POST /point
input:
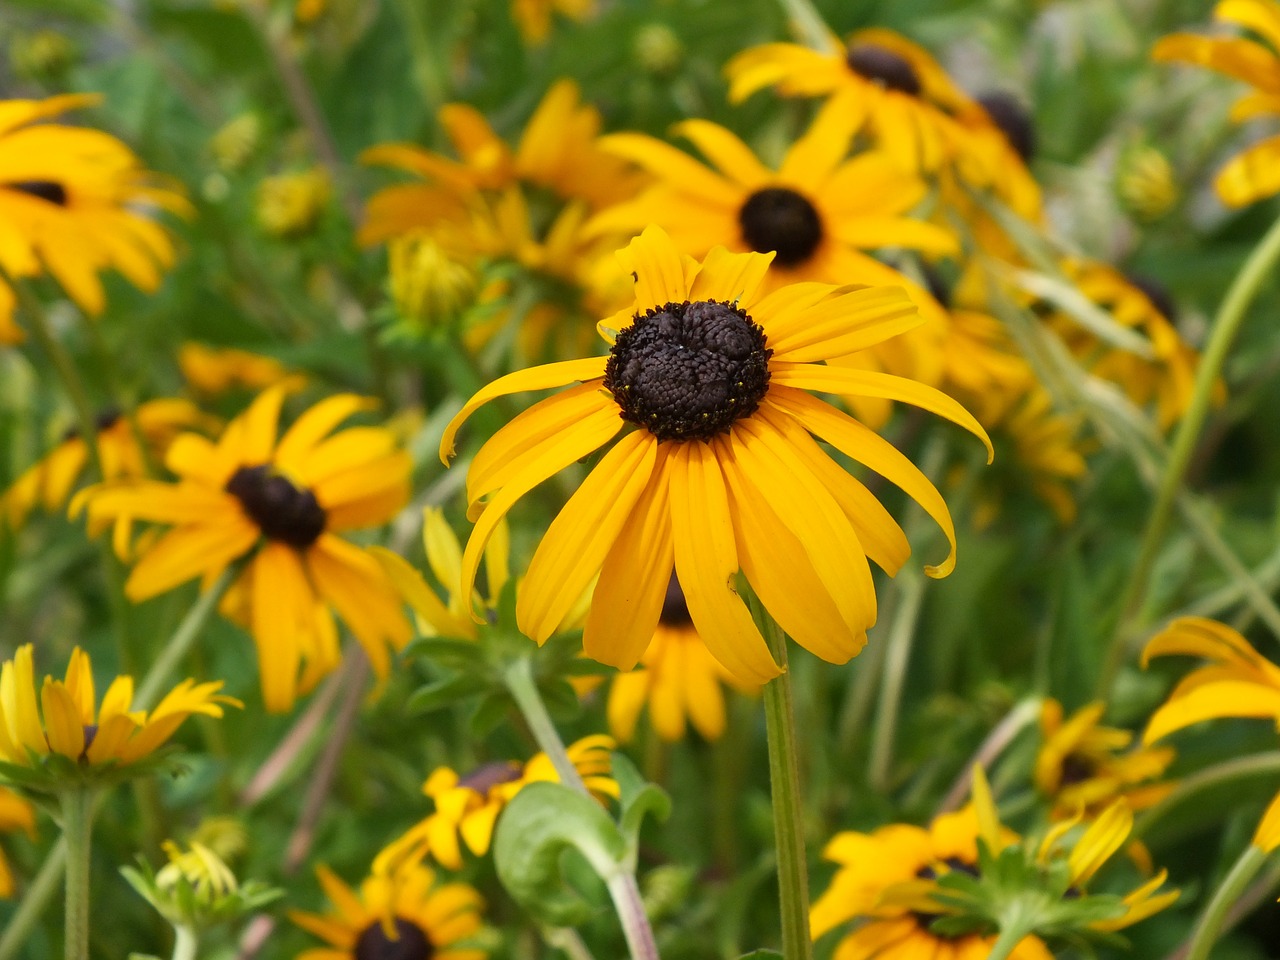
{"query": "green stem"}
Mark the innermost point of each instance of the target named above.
(39, 893)
(808, 25)
(77, 829)
(185, 943)
(622, 884)
(1244, 289)
(897, 656)
(1210, 925)
(1007, 942)
(1240, 768)
(784, 778)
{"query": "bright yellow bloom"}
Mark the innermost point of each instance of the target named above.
(1080, 765)
(214, 370)
(112, 735)
(48, 483)
(284, 503)
(291, 204)
(533, 17)
(467, 808)
(1254, 173)
(16, 813)
(720, 473)
(878, 868)
(407, 914)
(893, 88)
(677, 677)
(69, 207)
(430, 288)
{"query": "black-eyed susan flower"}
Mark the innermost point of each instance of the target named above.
(16, 813)
(677, 677)
(467, 807)
(897, 91)
(65, 721)
(1255, 172)
(285, 504)
(408, 915)
(716, 470)
(1085, 766)
(70, 206)
(213, 370)
(48, 483)
(876, 869)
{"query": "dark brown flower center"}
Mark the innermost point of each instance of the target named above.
(105, 420)
(1157, 293)
(49, 190)
(888, 69)
(675, 611)
(924, 918)
(687, 371)
(411, 943)
(489, 775)
(281, 510)
(1077, 768)
(779, 220)
(1013, 120)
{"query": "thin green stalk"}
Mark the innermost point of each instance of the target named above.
(897, 656)
(1007, 942)
(186, 944)
(39, 893)
(1210, 925)
(1229, 771)
(808, 25)
(77, 829)
(623, 889)
(1226, 325)
(784, 779)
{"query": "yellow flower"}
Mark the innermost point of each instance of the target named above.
(883, 881)
(677, 676)
(285, 504)
(1146, 183)
(719, 472)
(1047, 449)
(429, 287)
(556, 152)
(48, 483)
(214, 370)
(468, 807)
(533, 17)
(1254, 173)
(406, 915)
(1080, 765)
(894, 88)
(290, 204)
(16, 813)
(69, 207)
(95, 738)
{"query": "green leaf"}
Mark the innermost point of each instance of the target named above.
(442, 693)
(461, 653)
(638, 797)
(762, 955)
(536, 828)
(490, 711)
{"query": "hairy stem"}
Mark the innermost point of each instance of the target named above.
(77, 830)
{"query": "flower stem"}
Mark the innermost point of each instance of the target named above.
(897, 657)
(1210, 925)
(185, 943)
(77, 829)
(1007, 942)
(807, 24)
(1238, 768)
(37, 897)
(622, 885)
(1231, 314)
(784, 778)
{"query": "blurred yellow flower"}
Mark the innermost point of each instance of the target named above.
(283, 503)
(16, 813)
(429, 287)
(533, 17)
(70, 206)
(214, 370)
(290, 204)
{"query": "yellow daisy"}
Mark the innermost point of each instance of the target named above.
(718, 472)
(408, 916)
(1081, 766)
(16, 813)
(69, 206)
(900, 856)
(467, 807)
(1255, 172)
(93, 737)
(285, 504)
(215, 370)
(677, 677)
(895, 89)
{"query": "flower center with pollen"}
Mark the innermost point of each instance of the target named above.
(49, 190)
(281, 510)
(781, 221)
(883, 67)
(411, 943)
(687, 371)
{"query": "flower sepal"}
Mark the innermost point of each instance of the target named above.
(196, 889)
(51, 774)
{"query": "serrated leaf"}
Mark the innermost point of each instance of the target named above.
(535, 829)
